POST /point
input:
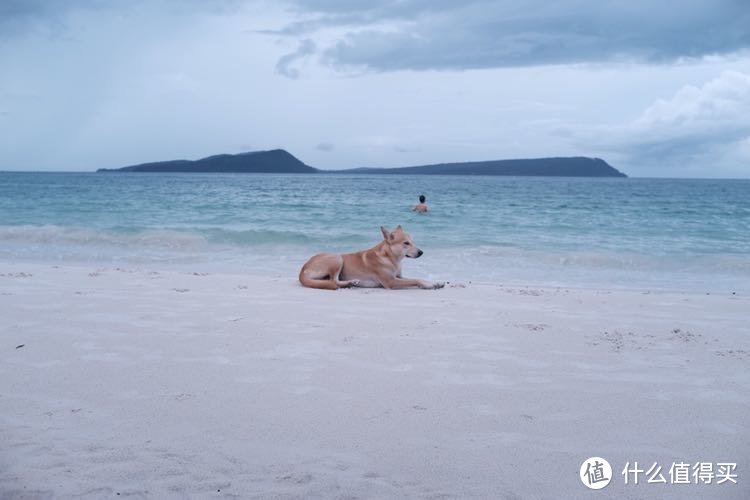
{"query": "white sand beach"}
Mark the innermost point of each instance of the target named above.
(148, 383)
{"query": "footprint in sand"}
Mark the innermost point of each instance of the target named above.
(734, 353)
(295, 478)
(685, 336)
(532, 327)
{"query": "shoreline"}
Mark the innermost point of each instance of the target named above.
(155, 383)
(285, 262)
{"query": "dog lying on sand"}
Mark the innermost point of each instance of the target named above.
(379, 266)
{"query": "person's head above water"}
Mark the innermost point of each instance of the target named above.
(421, 206)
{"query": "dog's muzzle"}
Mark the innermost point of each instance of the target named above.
(419, 254)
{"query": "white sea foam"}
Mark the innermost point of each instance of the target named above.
(72, 235)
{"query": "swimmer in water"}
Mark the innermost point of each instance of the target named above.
(420, 207)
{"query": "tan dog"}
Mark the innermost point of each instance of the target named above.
(380, 266)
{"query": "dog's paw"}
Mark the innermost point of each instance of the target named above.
(354, 282)
(437, 285)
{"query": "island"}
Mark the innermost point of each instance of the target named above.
(274, 161)
(560, 167)
(282, 162)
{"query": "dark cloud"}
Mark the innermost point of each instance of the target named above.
(21, 16)
(447, 35)
(387, 35)
(326, 147)
(284, 66)
(28, 9)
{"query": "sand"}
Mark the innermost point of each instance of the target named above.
(163, 383)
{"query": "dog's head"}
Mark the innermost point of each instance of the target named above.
(401, 243)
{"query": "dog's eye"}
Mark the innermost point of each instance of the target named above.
(407, 243)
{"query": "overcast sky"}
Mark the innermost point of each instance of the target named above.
(655, 88)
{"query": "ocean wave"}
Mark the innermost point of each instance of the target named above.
(72, 235)
(589, 268)
(281, 252)
(190, 238)
(601, 259)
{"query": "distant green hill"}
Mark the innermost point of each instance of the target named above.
(274, 161)
(280, 161)
(562, 167)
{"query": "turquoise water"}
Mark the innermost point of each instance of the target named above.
(636, 233)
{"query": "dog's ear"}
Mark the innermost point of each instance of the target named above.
(387, 235)
(398, 228)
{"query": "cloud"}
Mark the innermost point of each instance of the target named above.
(19, 16)
(722, 102)
(284, 66)
(326, 147)
(50, 16)
(697, 126)
(390, 35)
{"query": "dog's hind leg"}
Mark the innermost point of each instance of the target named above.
(343, 283)
(320, 284)
(322, 272)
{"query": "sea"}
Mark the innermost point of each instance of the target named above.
(635, 233)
